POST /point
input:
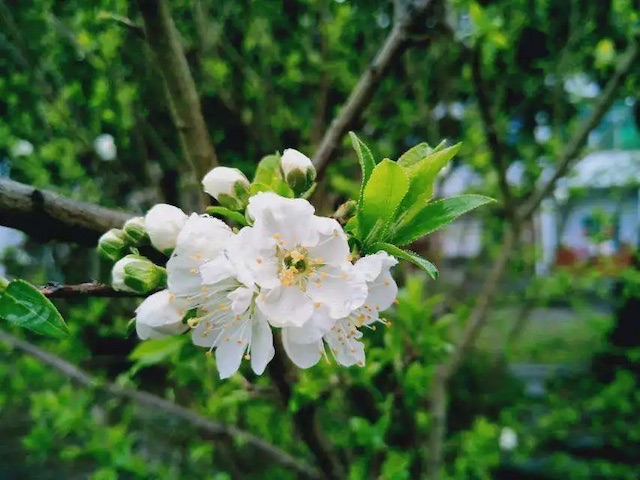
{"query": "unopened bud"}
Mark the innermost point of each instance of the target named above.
(134, 273)
(163, 224)
(298, 170)
(113, 245)
(228, 186)
(135, 232)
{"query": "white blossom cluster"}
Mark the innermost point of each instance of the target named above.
(290, 269)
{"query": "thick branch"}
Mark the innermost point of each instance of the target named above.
(47, 216)
(570, 154)
(368, 83)
(146, 400)
(491, 132)
(164, 40)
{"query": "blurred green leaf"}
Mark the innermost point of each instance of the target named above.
(157, 350)
(23, 304)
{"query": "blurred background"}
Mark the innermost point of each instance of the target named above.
(545, 388)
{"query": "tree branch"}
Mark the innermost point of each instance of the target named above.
(368, 83)
(491, 132)
(444, 371)
(478, 317)
(570, 154)
(146, 400)
(164, 40)
(47, 216)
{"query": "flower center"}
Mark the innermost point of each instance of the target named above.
(295, 266)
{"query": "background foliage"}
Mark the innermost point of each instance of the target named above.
(272, 75)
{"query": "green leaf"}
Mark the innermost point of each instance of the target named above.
(414, 155)
(422, 178)
(409, 256)
(383, 194)
(269, 177)
(230, 214)
(23, 304)
(434, 216)
(367, 162)
(157, 350)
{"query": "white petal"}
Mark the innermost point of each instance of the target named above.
(241, 298)
(285, 306)
(312, 331)
(382, 292)
(145, 332)
(262, 350)
(341, 291)
(287, 220)
(303, 355)
(231, 345)
(254, 258)
(332, 245)
(371, 266)
(217, 270)
(202, 239)
(228, 357)
(160, 315)
(343, 342)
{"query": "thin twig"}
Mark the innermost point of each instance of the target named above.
(147, 400)
(368, 83)
(496, 147)
(129, 24)
(88, 289)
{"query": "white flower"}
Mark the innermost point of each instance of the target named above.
(201, 239)
(305, 345)
(298, 170)
(228, 186)
(508, 439)
(105, 147)
(201, 275)
(163, 223)
(160, 315)
(228, 320)
(299, 261)
(22, 148)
